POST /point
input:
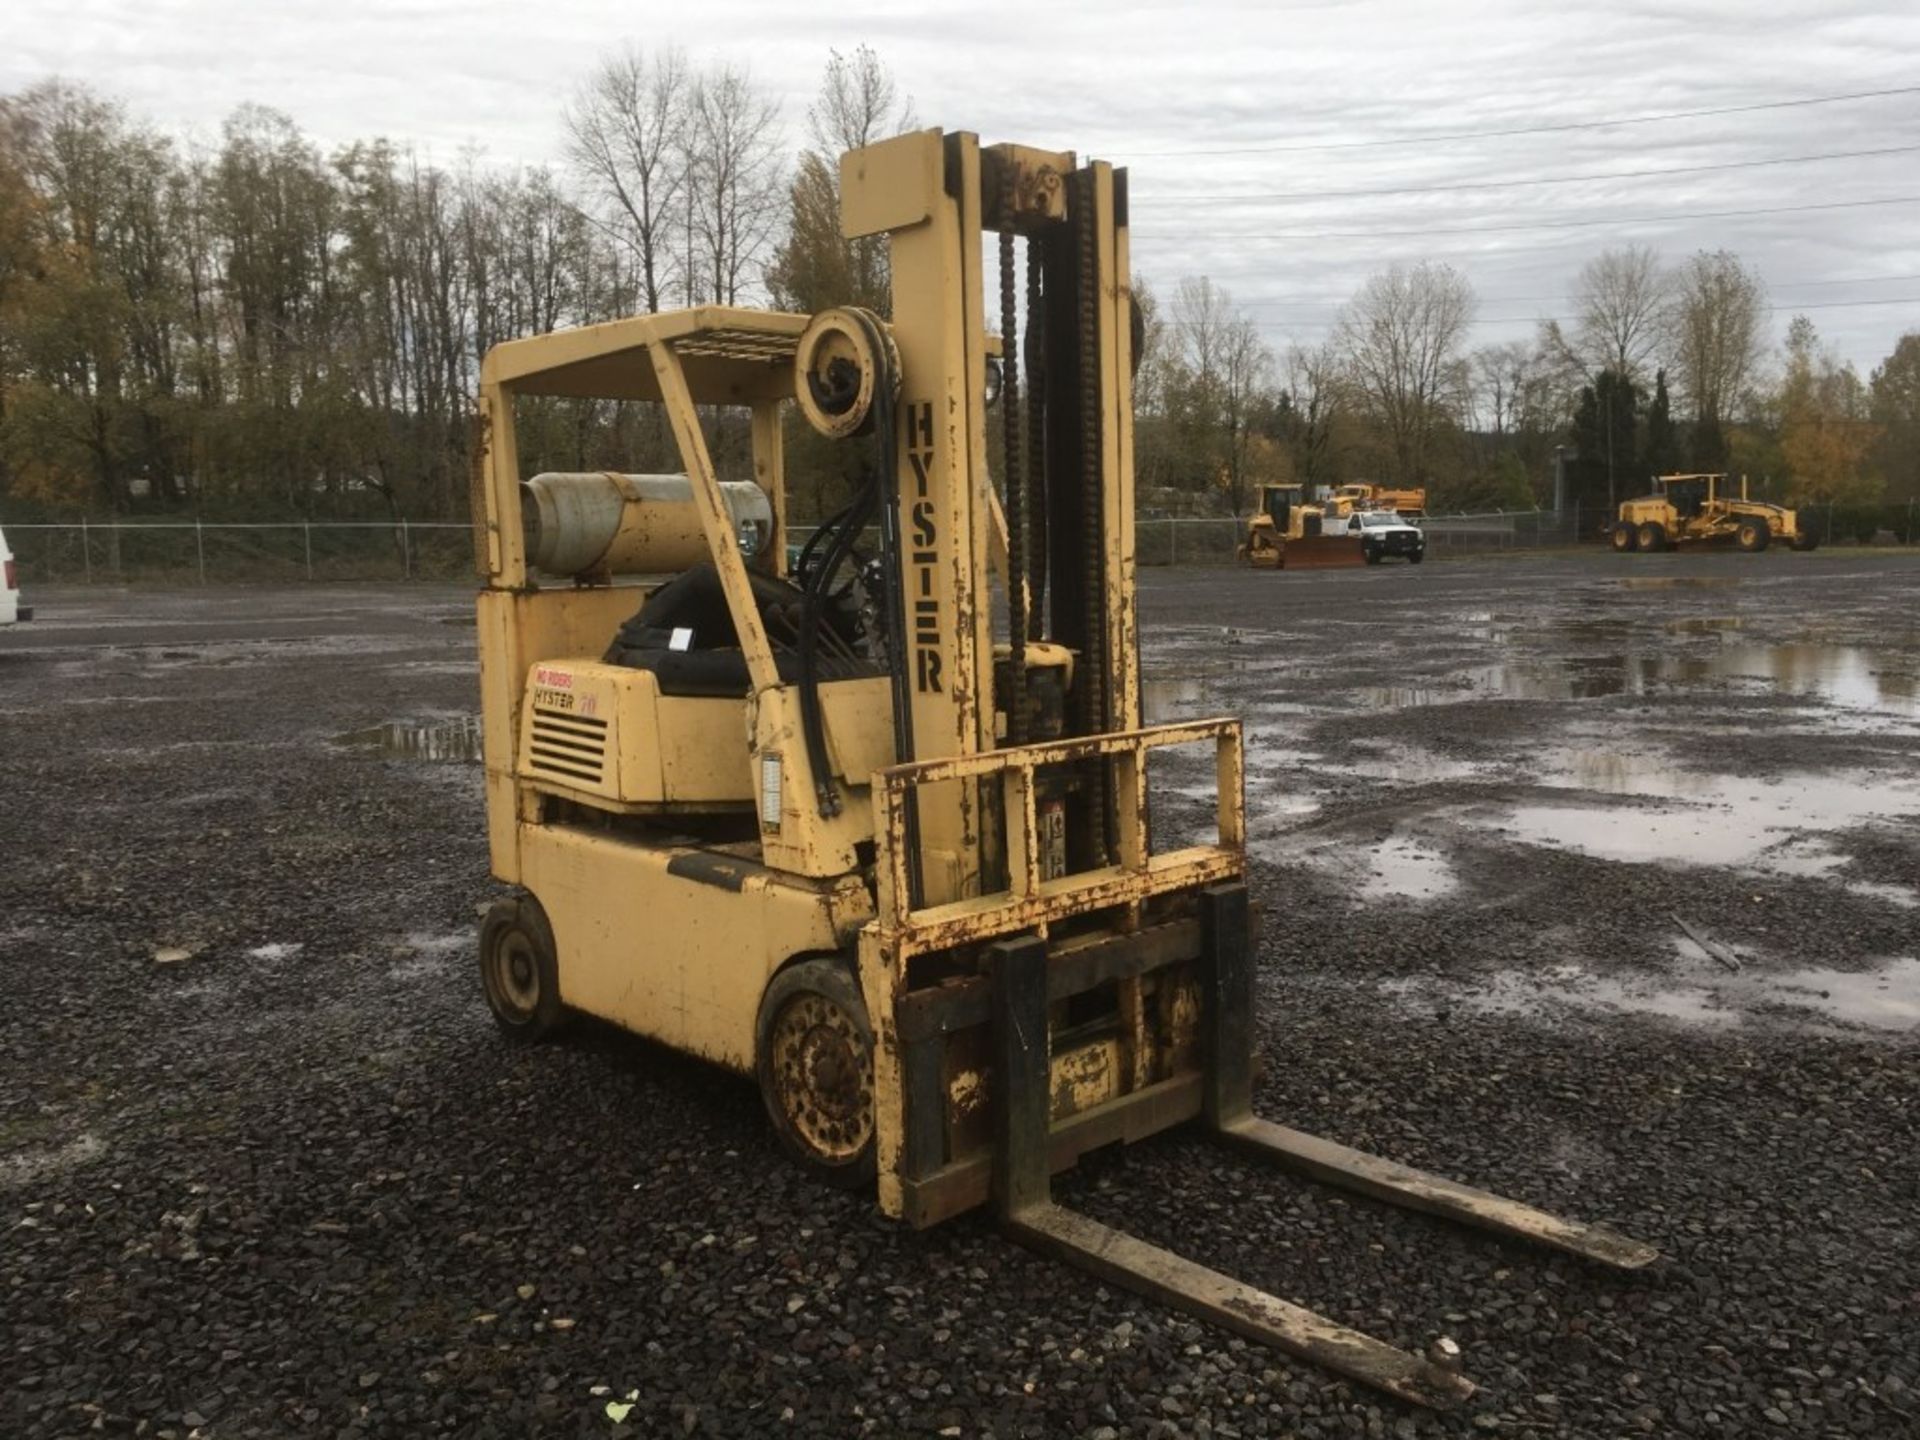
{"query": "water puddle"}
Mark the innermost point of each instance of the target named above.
(1401, 868)
(1718, 820)
(1179, 695)
(424, 955)
(1846, 676)
(1538, 994)
(1887, 998)
(1705, 625)
(1679, 582)
(1851, 677)
(448, 740)
(41, 1163)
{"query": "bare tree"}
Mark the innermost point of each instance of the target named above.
(1314, 403)
(626, 134)
(1716, 326)
(1202, 315)
(1498, 372)
(815, 266)
(1621, 300)
(859, 103)
(1226, 368)
(733, 188)
(1400, 339)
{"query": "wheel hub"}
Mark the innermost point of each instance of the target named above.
(823, 1073)
(518, 974)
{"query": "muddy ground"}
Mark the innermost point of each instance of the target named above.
(265, 1168)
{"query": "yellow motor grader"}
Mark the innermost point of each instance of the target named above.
(1687, 510)
(855, 829)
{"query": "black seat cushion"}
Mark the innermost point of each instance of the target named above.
(711, 662)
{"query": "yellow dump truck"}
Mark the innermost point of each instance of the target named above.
(1411, 503)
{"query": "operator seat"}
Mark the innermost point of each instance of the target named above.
(707, 660)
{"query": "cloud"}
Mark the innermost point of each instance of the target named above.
(1133, 82)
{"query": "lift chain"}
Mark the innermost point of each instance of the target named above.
(1035, 520)
(1090, 679)
(1015, 486)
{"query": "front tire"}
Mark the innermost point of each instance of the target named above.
(1652, 536)
(519, 970)
(1751, 536)
(814, 1060)
(1622, 538)
(1370, 555)
(1414, 557)
(1805, 541)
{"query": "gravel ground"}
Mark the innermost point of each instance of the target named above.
(266, 1170)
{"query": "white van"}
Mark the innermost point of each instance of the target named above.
(10, 607)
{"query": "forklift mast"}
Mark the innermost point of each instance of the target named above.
(1062, 521)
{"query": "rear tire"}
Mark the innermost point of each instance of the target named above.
(1804, 542)
(1751, 536)
(1652, 536)
(1414, 557)
(1622, 537)
(519, 970)
(813, 1055)
(1371, 555)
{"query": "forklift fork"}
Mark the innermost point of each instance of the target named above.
(1022, 1189)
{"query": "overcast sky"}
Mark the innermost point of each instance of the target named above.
(1147, 85)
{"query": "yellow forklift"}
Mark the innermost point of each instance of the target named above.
(1688, 510)
(858, 831)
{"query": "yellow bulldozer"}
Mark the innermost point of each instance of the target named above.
(1689, 510)
(873, 831)
(1291, 531)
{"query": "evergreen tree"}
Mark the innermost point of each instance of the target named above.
(1662, 453)
(1708, 447)
(1603, 435)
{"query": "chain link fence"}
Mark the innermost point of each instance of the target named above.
(225, 552)
(210, 552)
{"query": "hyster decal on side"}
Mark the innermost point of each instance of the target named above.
(926, 536)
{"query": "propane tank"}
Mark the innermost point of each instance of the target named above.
(604, 523)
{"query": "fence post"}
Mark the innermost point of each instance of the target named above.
(406, 551)
(1910, 522)
(200, 548)
(86, 553)
(1173, 542)
(306, 531)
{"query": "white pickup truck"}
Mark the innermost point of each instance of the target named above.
(10, 607)
(1382, 533)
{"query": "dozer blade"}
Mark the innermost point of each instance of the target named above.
(1335, 1164)
(1322, 552)
(1134, 1264)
